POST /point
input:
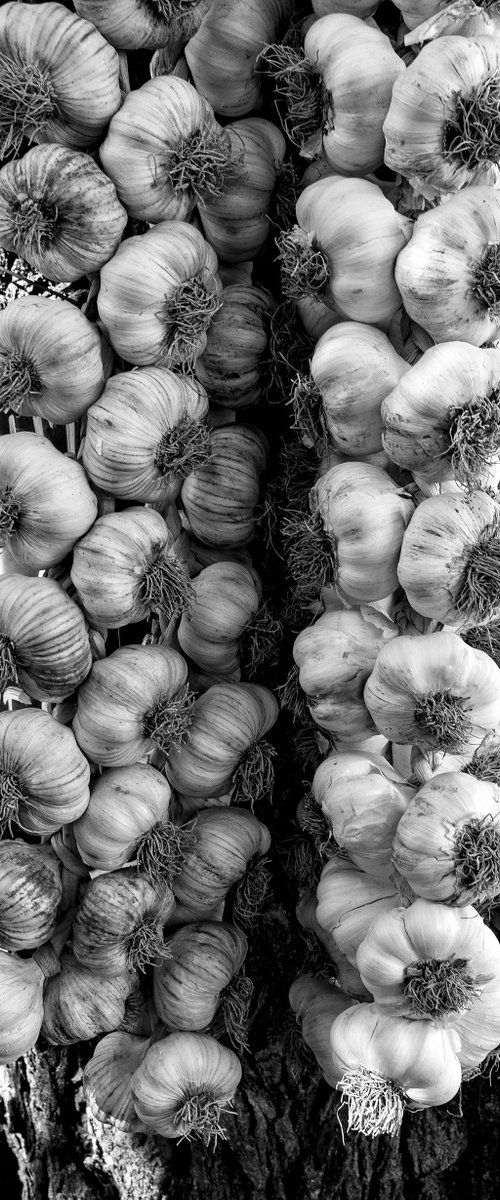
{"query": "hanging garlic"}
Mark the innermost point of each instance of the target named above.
(158, 295)
(441, 419)
(224, 748)
(220, 498)
(234, 365)
(133, 700)
(118, 925)
(222, 54)
(335, 657)
(77, 1006)
(353, 537)
(46, 503)
(165, 152)
(347, 976)
(200, 979)
(225, 842)
(44, 777)
(447, 274)
(44, 645)
(133, 25)
(145, 434)
(353, 368)
(236, 222)
(128, 817)
(348, 900)
(126, 567)
(60, 212)
(386, 1065)
(363, 799)
(107, 1079)
(429, 961)
(227, 622)
(447, 843)
(30, 894)
(315, 1004)
(435, 692)
(60, 78)
(450, 556)
(53, 361)
(184, 1084)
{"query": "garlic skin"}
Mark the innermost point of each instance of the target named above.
(53, 361)
(64, 67)
(447, 273)
(118, 925)
(204, 957)
(46, 503)
(44, 777)
(385, 1064)
(183, 1085)
(60, 212)
(225, 841)
(21, 1006)
(236, 223)
(347, 976)
(107, 1080)
(77, 1006)
(348, 900)
(447, 843)
(126, 804)
(30, 894)
(435, 692)
(44, 644)
(429, 961)
(132, 25)
(363, 799)
(233, 366)
(145, 434)
(220, 498)
(133, 700)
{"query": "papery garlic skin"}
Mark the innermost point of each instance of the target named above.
(178, 1075)
(126, 803)
(316, 1004)
(447, 843)
(30, 894)
(44, 777)
(348, 899)
(363, 799)
(46, 503)
(53, 361)
(60, 212)
(435, 692)
(429, 961)
(44, 644)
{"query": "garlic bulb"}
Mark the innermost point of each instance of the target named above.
(60, 78)
(386, 1064)
(30, 894)
(53, 361)
(158, 295)
(44, 777)
(78, 1006)
(184, 1084)
(449, 561)
(194, 982)
(60, 212)
(133, 700)
(46, 503)
(429, 961)
(220, 498)
(126, 567)
(363, 799)
(435, 692)
(348, 900)
(145, 434)
(44, 645)
(447, 843)
(128, 817)
(118, 925)
(165, 152)
(234, 364)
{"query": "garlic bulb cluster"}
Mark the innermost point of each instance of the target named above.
(249, 434)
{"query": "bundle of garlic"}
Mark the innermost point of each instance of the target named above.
(252, 398)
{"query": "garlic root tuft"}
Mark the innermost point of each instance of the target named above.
(477, 858)
(253, 778)
(183, 448)
(303, 265)
(27, 103)
(442, 716)
(374, 1105)
(435, 987)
